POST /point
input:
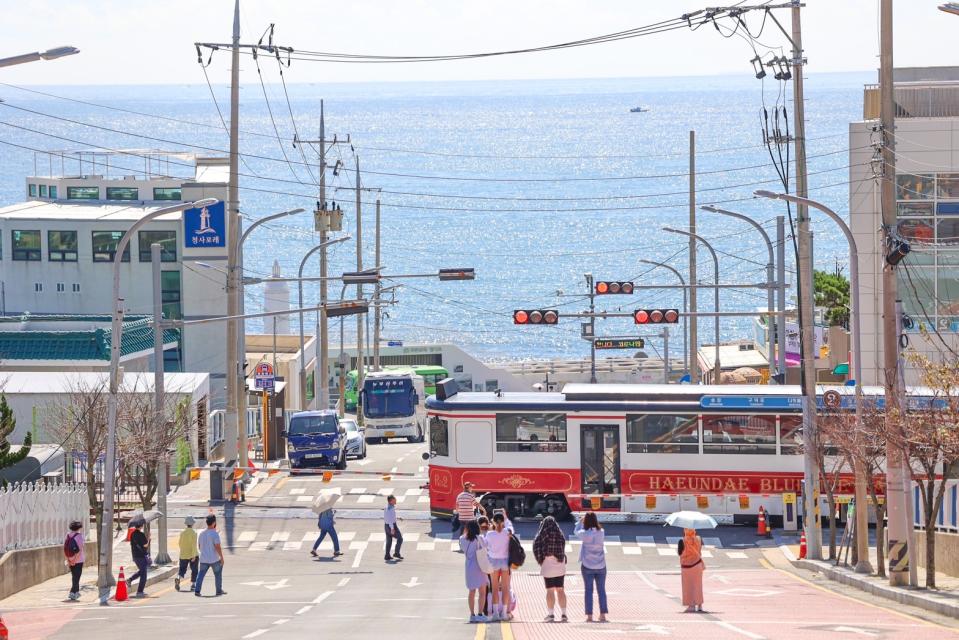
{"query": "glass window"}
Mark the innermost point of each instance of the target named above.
(947, 208)
(53, 191)
(917, 288)
(123, 193)
(83, 193)
(167, 240)
(43, 191)
(662, 433)
(790, 435)
(166, 193)
(948, 230)
(739, 434)
(915, 209)
(308, 425)
(62, 246)
(170, 292)
(26, 245)
(33, 190)
(947, 185)
(914, 187)
(948, 298)
(439, 436)
(531, 432)
(920, 230)
(105, 246)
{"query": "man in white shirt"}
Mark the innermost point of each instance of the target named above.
(211, 556)
(392, 530)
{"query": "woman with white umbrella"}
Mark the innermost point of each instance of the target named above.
(690, 551)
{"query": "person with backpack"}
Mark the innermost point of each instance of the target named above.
(477, 569)
(592, 557)
(549, 548)
(189, 554)
(73, 549)
(497, 544)
(140, 550)
(327, 525)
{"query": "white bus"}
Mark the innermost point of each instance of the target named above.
(393, 405)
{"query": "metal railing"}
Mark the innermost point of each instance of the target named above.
(38, 515)
(921, 100)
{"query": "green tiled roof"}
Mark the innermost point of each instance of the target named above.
(78, 345)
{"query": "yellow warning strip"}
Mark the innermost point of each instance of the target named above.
(480, 632)
(506, 630)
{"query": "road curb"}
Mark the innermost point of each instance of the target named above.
(904, 595)
(161, 573)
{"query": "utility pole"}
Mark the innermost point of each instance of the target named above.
(896, 492)
(592, 332)
(159, 402)
(360, 359)
(781, 279)
(377, 289)
(806, 313)
(694, 324)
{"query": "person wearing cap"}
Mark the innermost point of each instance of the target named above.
(189, 554)
(140, 550)
(75, 543)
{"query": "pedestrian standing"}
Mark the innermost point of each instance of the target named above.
(476, 579)
(549, 548)
(483, 523)
(211, 556)
(497, 547)
(392, 530)
(691, 568)
(592, 557)
(327, 525)
(189, 554)
(466, 507)
(73, 549)
(140, 550)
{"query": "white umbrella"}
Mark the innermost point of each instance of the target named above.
(324, 501)
(691, 520)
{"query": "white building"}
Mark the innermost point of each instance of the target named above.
(57, 249)
(927, 193)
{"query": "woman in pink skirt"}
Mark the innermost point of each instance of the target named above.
(691, 563)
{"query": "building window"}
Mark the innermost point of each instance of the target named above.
(61, 287)
(76, 287)
(38, 287)
(439, 436)
(43, 191)
(531, 432)
(83, 193)
(915, 187)
(26, 245)
(166, 193)
(32, 189)
(172, 361)
(167, 240)
(62, 246)
(170, 292)
(790, 435)
(105, 246)
(53, 192)
(662, 433)
(739, 434)
(123, 193)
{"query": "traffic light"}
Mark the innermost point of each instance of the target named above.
(656, 316)
(612, 287)
(535, 316)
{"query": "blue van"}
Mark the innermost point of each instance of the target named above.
(316, 438)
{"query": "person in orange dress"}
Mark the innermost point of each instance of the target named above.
(692, 567)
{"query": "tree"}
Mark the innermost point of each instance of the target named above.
(831, 291)
(8, 424)
(830, 463)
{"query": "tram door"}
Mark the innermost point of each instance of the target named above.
(600, 463)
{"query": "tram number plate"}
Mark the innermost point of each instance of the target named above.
(390, 434)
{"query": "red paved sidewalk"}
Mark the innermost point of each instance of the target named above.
(753, 604)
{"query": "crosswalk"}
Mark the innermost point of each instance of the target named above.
(365, 495)
(271, 541)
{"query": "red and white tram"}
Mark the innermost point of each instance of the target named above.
(639, 449)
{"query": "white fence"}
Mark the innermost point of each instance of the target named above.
(37, 515)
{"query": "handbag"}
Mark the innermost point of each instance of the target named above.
(482, 557)
(552, 568)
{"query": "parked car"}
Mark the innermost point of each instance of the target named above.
(355, 438)
(316, 438)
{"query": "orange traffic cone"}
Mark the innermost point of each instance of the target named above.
(235, 494)
(802, 545)
(121, 593)
(4, 634)
(761, 529)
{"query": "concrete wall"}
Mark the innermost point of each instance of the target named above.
(947, 551)
(25, 568)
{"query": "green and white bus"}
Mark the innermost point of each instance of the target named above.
(431, 374)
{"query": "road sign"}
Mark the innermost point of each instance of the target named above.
(263, 377)
(604, 343)
(751, 402)
(832, 399)
(394, 343)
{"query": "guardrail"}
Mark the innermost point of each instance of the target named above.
(38, 515)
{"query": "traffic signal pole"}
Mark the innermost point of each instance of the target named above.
(592, 322)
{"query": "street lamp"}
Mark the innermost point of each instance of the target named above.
(718, 372)
(862, 522)
(770, 280)
(105, 579)
(685, 310)
(49, 54)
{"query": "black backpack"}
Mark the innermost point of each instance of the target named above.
(517, 554)
(70, 546)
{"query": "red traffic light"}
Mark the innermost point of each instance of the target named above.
(606, 287)
(535, 316)
(656, 316)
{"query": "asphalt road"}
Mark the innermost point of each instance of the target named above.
(277, 591)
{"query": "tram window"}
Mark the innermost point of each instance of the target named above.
(531, 432)
(739, 434)
(439, 436)
(662, 433)
(790, 435)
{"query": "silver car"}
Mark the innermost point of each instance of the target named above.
(355, 440)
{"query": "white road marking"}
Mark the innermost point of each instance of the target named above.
(672, 540)
(358, 490)
(612, 541)
(413, 582)
(400, 499)
(386, 491)
(247, 536)
(394, 469)
(377, 536)
(309, 535)
(366, 499)
(736, 555)
(281, 621)
(280, 536)
(423, 499)
(713, 542)
(304, 498)
(342, 582)
(363, 462)
(323, 596)
(296, 492)
(293, 545)
(654, 629)
(409, 537)
(358, 545)
(856, 630)
(425, 546)
(646, 541)
(259, 546)
(358, 558)
(633, 551)
(302, 610)
(346, 535)
(706, 553)
(255, 634)
(414, 492)
(731, 627)
(666, 552)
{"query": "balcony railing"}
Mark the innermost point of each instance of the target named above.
(939, 100)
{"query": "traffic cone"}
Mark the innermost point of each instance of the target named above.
(761, 529)
(802, 545)
(242, 493)
(121, 594)
(235, 494)
(4, 634)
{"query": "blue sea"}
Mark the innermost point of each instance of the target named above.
(532, 183)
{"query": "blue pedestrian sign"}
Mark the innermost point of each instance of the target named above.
(205, 227)
(394, 343)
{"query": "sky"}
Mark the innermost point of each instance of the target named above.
(151, 41)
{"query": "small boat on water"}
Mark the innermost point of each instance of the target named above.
(639, 110)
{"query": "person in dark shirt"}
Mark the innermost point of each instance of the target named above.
(140, 549)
